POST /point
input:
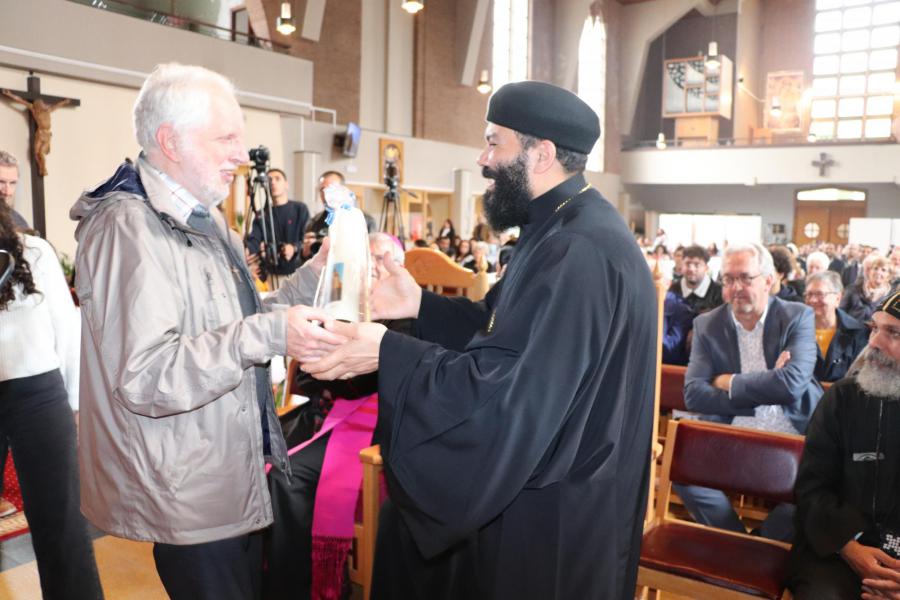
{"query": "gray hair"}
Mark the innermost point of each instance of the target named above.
(819, 257)
(8, 160)
(397, 252)
(763, 257)
(829, 277)
(176, 94)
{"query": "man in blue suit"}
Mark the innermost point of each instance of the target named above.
(751, 365)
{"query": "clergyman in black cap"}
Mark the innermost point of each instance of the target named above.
(848, 507)
(516, 431)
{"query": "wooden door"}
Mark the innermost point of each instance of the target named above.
(839, 221)
(826, 221)
(810, 223)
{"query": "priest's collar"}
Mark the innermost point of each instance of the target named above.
(543, 207)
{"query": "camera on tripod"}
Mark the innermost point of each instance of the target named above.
(270, 253)
(260, 158)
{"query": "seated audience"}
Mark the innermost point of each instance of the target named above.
(444, 245)
(817, 262)
(479, 260)
(861, 298)
(678, 260)
(463, 251)
(852, 266)
(751, 365)
(848, 526)
(839, 337)
(696, 287)
(894, 257)
(678, 321)
(785, 266)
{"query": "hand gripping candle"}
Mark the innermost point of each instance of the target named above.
(343, 290)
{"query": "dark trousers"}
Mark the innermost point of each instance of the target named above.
(36, 419)
(289, 553)
(228, 569)
(815, 578)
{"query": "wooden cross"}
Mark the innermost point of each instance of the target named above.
(38, 107)
(823, 163)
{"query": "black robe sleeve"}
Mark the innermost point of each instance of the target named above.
(452, 322)
(828, 521)
(468, 431)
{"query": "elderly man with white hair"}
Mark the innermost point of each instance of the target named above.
(751, 365)
(848, 538)
(177, 419)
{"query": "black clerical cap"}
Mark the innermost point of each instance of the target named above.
(891, 304)
(547, 112)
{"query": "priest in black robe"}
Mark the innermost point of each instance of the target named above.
(516, 431)
(848, 484)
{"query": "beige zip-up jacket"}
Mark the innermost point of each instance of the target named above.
(171, 443)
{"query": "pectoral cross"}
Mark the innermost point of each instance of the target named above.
(823, 163)
(39, 107)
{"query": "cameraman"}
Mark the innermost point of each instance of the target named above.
(318, 225)
(290, 218)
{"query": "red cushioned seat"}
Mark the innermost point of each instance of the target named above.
(729, 561)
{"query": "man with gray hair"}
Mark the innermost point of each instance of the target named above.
(751, 365)
(848, 538)
(816, 262)
(9, 178)
(177, 418)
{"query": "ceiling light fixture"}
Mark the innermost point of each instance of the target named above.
(661, 141)
(484, 83)
(284, 24)
(413, 6)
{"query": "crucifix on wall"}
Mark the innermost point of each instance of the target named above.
(823, 163)
(38, 107)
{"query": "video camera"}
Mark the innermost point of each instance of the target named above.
(271, 253)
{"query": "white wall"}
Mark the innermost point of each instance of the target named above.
(774, 203)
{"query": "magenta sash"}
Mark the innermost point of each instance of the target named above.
(351, 423)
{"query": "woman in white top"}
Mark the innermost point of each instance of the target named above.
(39, 366)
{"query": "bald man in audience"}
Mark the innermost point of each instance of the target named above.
(848, 504)
(516, 431)
(751, 365)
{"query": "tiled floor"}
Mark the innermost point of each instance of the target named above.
(18, 550)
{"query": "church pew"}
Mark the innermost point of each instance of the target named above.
(436, 272)
(696, 561)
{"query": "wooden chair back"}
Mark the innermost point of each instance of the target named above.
(435, 271)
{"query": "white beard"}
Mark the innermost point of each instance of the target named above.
(879, 374)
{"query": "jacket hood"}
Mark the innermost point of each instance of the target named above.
(125, 179)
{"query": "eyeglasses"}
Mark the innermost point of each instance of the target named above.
(743, 278)
(818, 296)
(892, 332)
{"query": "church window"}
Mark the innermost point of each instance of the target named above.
(854, 66)
(511, 37)
(592, 80)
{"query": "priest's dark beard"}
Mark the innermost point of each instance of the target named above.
(879, 374)
(506, 204)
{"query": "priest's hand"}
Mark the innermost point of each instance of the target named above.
(878, 571)
(397, 295)
(356, 357)
(306, 339)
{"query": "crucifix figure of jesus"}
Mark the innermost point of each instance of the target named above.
(39, 106)
(40, 112)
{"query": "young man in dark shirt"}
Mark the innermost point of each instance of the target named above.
(289, 217)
